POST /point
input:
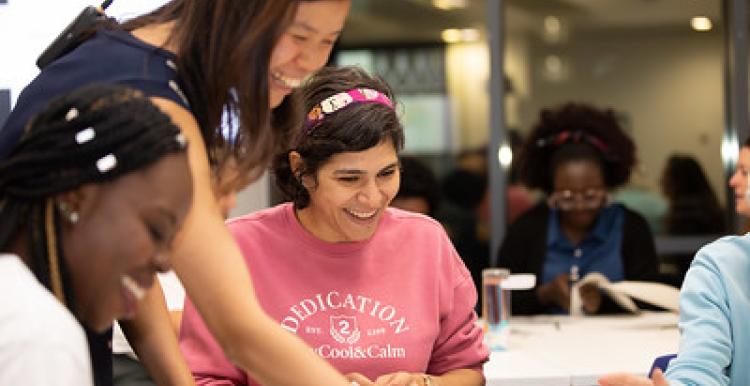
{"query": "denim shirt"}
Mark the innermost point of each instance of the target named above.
(599, 251)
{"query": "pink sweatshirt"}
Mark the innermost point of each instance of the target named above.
(400, 301)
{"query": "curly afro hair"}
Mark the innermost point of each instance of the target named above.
(576, 132)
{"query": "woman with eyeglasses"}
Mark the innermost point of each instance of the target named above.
(576, 154)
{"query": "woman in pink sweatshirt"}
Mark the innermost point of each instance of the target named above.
(379, 292)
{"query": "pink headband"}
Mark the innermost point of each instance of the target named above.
(338, 101)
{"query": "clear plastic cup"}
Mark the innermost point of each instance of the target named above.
(495, 307)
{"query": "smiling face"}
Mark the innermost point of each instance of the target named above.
(351, 192)
(305, 45)
(583, 180)
(123, 237)
(739, 182)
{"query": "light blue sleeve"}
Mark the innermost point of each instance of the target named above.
(706, 327)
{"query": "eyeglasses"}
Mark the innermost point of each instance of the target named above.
(569, 200)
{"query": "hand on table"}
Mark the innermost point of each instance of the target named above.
(622, 379)
(556, 292)
(591, 298)
(358, 379)
(402, 378)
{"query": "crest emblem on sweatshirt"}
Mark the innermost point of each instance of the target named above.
(344, 329)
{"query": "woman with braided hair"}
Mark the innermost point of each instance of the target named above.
(576, 154)
(78, 241)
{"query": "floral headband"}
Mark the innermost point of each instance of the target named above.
(577, 136)
(338, 101)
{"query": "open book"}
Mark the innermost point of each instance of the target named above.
(623, 292)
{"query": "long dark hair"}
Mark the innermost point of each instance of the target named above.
(693, 206)
(62, 149)
(223, 57)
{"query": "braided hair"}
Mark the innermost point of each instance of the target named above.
(574, 132)
(92, 135)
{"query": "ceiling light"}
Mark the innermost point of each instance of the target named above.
(553, 63)
(552, 30)
(701, 23)
(469, 34)
(505, 156)
(451, 35)
(455, 35)
(449, 4)
(729, 150)
(552, 25)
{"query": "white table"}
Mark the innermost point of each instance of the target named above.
(565, 351)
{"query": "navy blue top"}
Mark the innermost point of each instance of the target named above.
(599, 251)
(110, 56)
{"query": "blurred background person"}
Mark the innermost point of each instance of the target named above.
(466, 212)
(576, 154)
(464, 190)
(693, 208)
(647, 202)
(419, 190)
(518, 197)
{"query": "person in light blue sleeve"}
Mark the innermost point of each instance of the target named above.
(714, 309)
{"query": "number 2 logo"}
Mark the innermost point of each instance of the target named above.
(344, 329)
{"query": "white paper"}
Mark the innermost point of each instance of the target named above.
(623, 292)
(519, 281)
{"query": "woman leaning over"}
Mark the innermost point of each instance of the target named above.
(197, 59)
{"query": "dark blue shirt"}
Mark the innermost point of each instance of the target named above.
(110, 56)
(599, 251)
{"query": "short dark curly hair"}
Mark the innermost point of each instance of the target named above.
(418, 180)
(573, 132)
(356, 127)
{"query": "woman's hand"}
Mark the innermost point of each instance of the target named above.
(591, 298)
(406, 379)
(622, 379)
(358, 379)
(555, 292)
